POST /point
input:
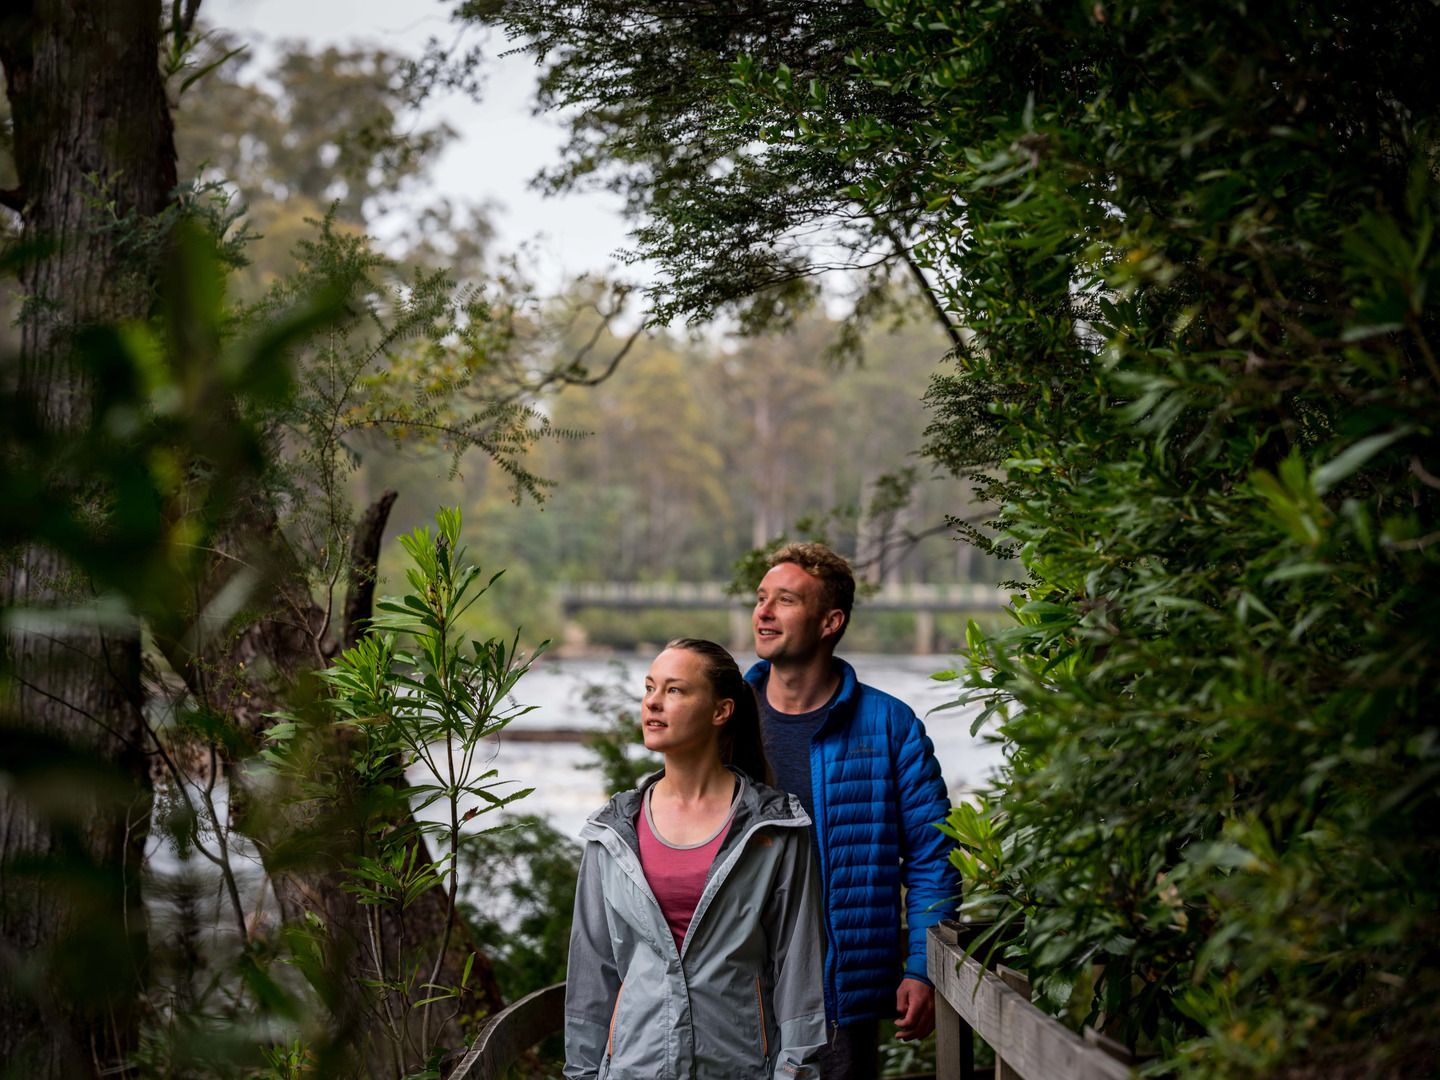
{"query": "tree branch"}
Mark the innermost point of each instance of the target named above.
(926, 289)
(364, 557)
(182, 17)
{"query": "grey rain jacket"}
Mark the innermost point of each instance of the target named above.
(743, 999)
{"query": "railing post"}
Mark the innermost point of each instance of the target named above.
(954, 1038)
(1020, 983)
(510, 1032)
(924, 632)
(740, 639)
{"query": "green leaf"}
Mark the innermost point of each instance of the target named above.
(1353, 458)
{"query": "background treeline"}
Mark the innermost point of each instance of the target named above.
(694, 452)
(672, 454)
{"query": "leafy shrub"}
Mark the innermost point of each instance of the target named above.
(1193, 251)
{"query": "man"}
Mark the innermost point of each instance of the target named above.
(861, 763)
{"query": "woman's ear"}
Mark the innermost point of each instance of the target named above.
(723, 708)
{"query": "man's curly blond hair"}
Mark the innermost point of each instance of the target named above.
(837, 580)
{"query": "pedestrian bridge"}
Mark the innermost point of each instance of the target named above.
(924, 600)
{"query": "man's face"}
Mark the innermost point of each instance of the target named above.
(790, 621)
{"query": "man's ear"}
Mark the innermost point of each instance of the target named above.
(832, 623)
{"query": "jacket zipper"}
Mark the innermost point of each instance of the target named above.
(614, 1015)
(760, 1005)
(817, 795)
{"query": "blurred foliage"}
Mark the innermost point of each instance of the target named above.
(525, 871)
(133, 500)
(412, 696)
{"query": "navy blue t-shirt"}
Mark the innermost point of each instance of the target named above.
(787, 744)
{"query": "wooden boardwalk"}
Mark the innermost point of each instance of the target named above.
(969, 999)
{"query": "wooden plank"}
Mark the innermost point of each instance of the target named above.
(512, 1031)
(1117, 1050)
(1034, 1045)
(1015, 980)
(949, 1031)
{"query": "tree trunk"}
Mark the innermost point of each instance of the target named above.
(95, 158)
(253, 673)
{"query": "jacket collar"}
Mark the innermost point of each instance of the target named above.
(758, 803)
(845, 701)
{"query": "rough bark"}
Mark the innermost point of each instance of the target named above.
(95, 156)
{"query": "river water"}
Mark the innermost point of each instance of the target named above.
(567, 792)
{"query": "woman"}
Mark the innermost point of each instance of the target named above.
(696, 948)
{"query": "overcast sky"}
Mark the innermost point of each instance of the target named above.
(500, 145)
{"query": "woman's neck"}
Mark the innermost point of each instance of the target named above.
(699, 778)
(693, 799)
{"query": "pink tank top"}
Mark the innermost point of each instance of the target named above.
(677, 874)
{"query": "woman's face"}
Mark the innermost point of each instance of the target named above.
(680, 711)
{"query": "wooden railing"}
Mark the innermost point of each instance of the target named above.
(1028, 1044)
(510, 1032)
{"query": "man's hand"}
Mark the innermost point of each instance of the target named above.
(915, 1009)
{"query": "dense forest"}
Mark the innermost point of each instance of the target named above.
(1162, 276)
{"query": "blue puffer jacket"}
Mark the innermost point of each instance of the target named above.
(878, 795)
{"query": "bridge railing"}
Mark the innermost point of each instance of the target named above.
(1028, 1044)
(956, 596)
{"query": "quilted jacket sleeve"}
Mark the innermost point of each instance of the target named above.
(592, 981)
(932, 884)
